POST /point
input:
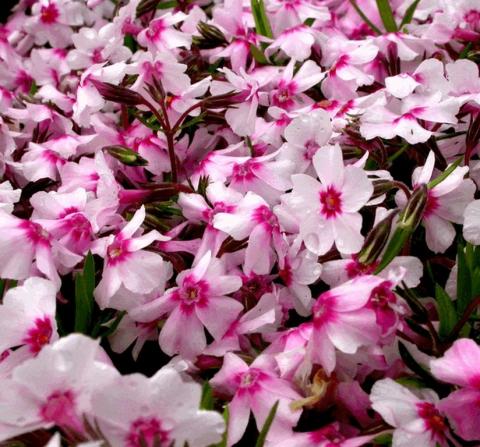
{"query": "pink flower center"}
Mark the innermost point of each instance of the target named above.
(331, 201)
(39, 335)
(118, 250)
(432, 204)
(97, 56)
(355, 268)
(311, 148)
(286, 273)
(147, 433)
(330, 434)
(156, 29)
(244, 171)
(35, 233)
(49, 14)
(382, 296)
(59, 408)
(263, 215)
(283, 96)
(434, 421)
(192, 292)
(322, 312)
(472, 17)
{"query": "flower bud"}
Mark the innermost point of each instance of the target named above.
(376, 240)
(210, 36)
(146, 6)
(126, 156)
(115, 93)
(413, 212)
(381, 187)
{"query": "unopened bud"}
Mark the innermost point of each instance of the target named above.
(115, 93)
(376, 240)
(210, 36)
(381, 187)
(126, 156)
(413, 212)
(146, 6)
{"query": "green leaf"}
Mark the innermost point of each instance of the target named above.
(386, 13)
(464, 281)
(258, 55)
(2, 287)
(113, 327)
(409, 13)
(413, 365)
(446, 312)
(226, 416)
(266, 426)
(167, 5)
(394, 247)
(384, 439)
(445, 174)
(364, 17)
(207, 397)
(410, 382)
(262, 25)
(84, 287)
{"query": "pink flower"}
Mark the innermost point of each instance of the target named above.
(343, 319)
(196, 302)
(126, 264)
(329, 209)
(471, 226)
(27, 316)
(305, 135)
(460, 365)
(417, 420)
(446, 203)
(54, 388)
(161, 35)
(137, 411)
(255, 388)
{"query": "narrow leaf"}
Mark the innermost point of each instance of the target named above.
(364, 17)
(386, 13)
(394, 247)
(446, 311)
(83, 306)
(266, 427)
(409, 13)
(445, 174)
(89, 274)
(262, 25)
(226, 416)
(413, 365)
(207, 397)
(464, 281)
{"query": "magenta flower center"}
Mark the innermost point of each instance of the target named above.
(59, 408)
(244, 172)
(331, 201)
(311, 148)
(39, 335)
(382, 296)
(193, 292)
(118, 250)
(147, 433)
(35, 233)
(432, 204)
(49, 14)
(264, 215)
(434, 421)
(249, 378)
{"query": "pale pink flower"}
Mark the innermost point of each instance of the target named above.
(343, 319)
(54, 388)
(417, 419)
(460, 365)
(137, 411)
(196, 302)
(27, 316)
(161, 35)
(255, 388)
(305, 135)
(446, 203)
(8, 196)
(329, 209)
(296, 42)
(139, 271)
(253, 219)
(471, 224)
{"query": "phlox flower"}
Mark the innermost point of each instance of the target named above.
(137, 411)
(126, 263)
(416, 419)
(343, 319)
(8, 196)
(162, 36)
(255, 388)
(446, 203)
(195, 304)
(54, 388)
(460, 366)
(330, 208)
(253, 219)
(305, 135)
(27, 317)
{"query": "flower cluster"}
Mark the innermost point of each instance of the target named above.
(240, 223)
